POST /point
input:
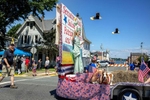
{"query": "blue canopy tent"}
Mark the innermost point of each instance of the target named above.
(18, 52)
(1, 52)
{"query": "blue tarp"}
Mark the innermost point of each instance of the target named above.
(18, 52)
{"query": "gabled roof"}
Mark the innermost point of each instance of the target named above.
(47, 25)
(38, 22)
(44, 25)
(135, 54)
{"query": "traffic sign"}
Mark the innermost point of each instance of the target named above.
(33, 50)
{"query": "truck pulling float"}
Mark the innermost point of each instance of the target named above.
(77, 86)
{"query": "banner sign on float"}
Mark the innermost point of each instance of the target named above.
(66, 24)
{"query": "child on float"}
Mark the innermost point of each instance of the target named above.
(99, 76)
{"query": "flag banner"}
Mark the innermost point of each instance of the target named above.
(67, 23)
(143, 71)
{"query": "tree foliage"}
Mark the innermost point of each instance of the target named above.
(50, 42)
(145, 58)
(13, 30)
(12, 10)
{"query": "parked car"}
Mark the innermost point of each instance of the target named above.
(104, 63)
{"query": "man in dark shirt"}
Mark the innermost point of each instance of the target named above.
(8, 68)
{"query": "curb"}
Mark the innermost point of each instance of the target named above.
(51, 74)
(39, 74)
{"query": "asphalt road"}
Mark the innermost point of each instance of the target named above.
(30, 88)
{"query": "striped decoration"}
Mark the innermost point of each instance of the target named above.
(65, 69)
(118, 65)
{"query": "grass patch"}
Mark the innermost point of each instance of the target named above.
(43, 69)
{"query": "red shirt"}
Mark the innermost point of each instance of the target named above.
(27, 61)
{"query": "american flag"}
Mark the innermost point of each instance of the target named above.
(143, 71)
(148, 75)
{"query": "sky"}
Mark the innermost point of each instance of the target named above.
(131, 17)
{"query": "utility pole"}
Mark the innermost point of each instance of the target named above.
(141, 51)
(101, 47)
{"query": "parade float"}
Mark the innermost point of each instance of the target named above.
(78, 86)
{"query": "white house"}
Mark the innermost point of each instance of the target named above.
(31, 32)
(85, 49)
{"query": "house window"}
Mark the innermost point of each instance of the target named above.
(27, 23)
(28, 39)
(87, 47)
(25, 39)
(32, 25)
(36, 38)
(21, 39)
(84, 46)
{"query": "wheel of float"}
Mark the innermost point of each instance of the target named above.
(129, 94)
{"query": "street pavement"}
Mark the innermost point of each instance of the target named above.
(41, 87)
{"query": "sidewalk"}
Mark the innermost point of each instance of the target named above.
(40, 72)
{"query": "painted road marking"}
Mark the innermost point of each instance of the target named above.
(24, 80)
(42, 74)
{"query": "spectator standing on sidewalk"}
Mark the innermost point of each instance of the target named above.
(31, 64)
(34, 68)
(19, 65)
(8, 68)
(23, 63)
(27, 62)
(47, 63)
(39, 64)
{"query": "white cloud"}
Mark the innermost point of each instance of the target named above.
(126, 52)
(93, 50)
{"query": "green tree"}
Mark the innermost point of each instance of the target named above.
(12, 10)
(13, 30)
(145, 57)
(49, 43)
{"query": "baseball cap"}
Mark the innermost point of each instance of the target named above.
(11, 44)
